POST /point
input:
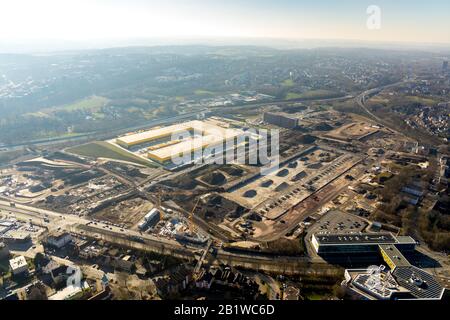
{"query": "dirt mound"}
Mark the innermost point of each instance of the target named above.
(233, 171)
(307, 139)
(217, 208)
(322, 127)
(214, 178)
(250, 194)
(316, 165)
(281, 187)
(184, 183)
(299, 176)
(266, 184)
(283, 173)
(293, 164)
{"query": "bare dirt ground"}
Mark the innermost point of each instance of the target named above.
(127, 212)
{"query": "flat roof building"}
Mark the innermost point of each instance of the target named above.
(180, 139)
(403, 283)
(59, 239)
(393, 257)
(359, 242)
(281, 119)
(18, 265)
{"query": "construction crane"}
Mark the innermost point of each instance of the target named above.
(192, 226)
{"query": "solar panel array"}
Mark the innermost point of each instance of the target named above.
(420, 283)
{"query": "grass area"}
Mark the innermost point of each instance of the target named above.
(293, 95)
(315, 296)
(421, 100)
(38, 114)
(312, 94)
(102, 149)
(201, 92)
(378, 99)
(288, 83)
(6, 156)
(93, 102)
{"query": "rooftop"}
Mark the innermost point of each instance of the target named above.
(394, 257)
(59, 235)
(421, 284)
(406, 282)
(201, 127)
(17, 262)
(357, 238)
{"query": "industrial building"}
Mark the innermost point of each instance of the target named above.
(180, 139)
(281, 120)
(150, 219)
(359, 243)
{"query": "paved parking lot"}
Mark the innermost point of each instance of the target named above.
(339, 222)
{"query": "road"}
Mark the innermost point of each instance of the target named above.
(361, 99)
(66, 222)
(115, 235)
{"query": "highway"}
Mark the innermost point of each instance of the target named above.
(361, 99)
(67, 222)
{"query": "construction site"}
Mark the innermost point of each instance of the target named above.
(233, 200)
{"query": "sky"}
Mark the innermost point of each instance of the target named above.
(86, 20)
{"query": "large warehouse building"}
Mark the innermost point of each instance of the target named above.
(180, 139)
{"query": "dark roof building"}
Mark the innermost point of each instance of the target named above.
(358, 242)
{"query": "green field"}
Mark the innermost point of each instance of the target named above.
(293, 95)
(91, 103)
(201, 92)
(421, 100)
(6, 156)
(288, 83)
(101, 149)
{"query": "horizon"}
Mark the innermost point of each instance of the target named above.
(68, 25)
(61, 46)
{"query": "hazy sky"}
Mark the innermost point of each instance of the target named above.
(401, 20)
